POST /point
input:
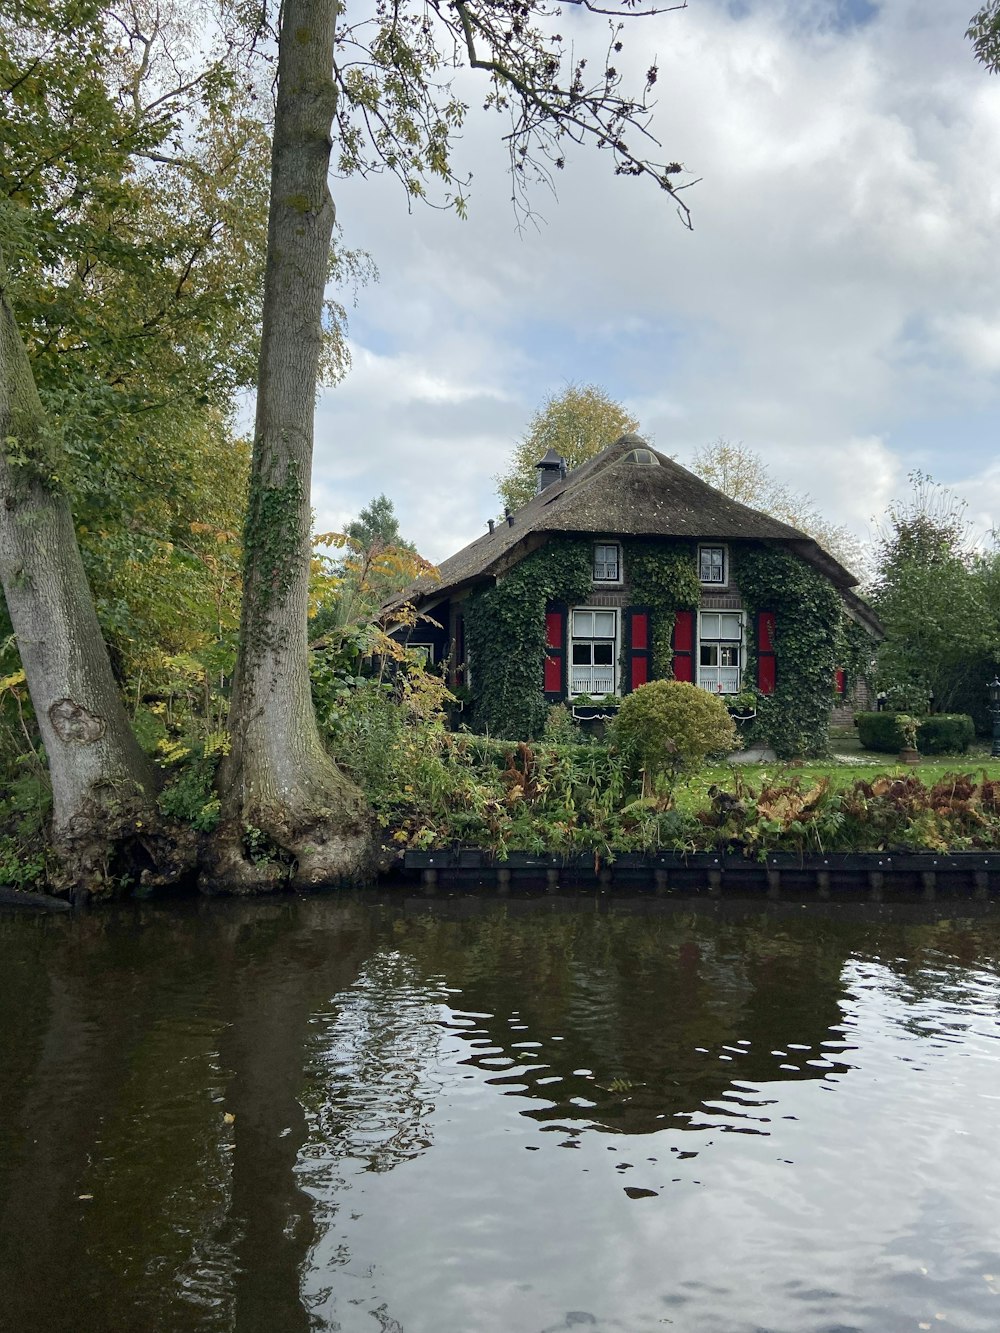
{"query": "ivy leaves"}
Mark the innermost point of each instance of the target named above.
(505, 635)
(808, 611)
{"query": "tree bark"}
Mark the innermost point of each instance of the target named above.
(278, 777)
(103, 787)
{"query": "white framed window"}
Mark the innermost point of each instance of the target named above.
(607, 562)
(593, 651)
(712, 566)
(720, 651)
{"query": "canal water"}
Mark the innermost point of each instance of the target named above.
(391, 1115)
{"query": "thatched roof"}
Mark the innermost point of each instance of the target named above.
(613, 495)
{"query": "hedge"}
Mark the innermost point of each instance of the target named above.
(938, 733)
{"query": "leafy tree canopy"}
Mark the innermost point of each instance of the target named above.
(377, 523)
(577, 423)
(934, 595)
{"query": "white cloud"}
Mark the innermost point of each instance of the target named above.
(840, 283)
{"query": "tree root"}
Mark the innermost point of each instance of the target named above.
(108, 857)
(322, 855)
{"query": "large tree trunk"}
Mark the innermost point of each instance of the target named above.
(278, 777)
(103, 787)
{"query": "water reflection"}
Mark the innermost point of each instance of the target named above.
(344, 1114)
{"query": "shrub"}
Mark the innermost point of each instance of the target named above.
(879, 731)
(669, 724)
(560, 729)
(945, 733)
(938, 733)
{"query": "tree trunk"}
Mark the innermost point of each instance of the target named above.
(103, 787)
(278, 777)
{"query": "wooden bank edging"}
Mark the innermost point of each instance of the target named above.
(871, 875)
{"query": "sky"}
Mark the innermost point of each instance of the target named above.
(836, 307)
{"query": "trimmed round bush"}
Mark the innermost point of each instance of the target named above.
(669, 722)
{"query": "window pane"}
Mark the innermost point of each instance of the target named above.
(710, 654)
(730, 627)
(583, 624)
(711, 564)
(581, 654)
(604, 624)
(710, 625)
(606, 563)
(603, 654)
(729, 655)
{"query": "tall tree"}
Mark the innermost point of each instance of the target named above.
(933, 593)
(133, 196)
(125, 146)
(379, 87)
(378, 78)
(577, 423)
(103, 786)
(278, 776)
(743, 475)
(377, 522)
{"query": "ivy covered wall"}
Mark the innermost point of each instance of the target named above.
(505, 635)
(662, 575)
(808, 639)
(505, 632)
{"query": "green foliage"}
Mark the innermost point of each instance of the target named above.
(189, 794)
(365, 728)
(664, 577)
(669, 724)
(272, 540)
(19, 866)
(984, 33)
(937, 600)
(377, 523)
(560, 729)
(856, 652)
(879, 732)
(795, 718)
(577, 423)
(945, 733)
(371, 568)
(505, 635)
(938, 733)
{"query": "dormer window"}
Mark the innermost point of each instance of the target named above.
(712, 566)
(607, 563)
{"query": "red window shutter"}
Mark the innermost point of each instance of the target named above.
(555, 653)
(553, 675)
(840, 681)
(683, 631)
(765, 632)
(767, 673)
(683, 663)
(636, 664)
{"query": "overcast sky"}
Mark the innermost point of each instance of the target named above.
(836, 308)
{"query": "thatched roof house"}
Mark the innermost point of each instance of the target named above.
(640, 569)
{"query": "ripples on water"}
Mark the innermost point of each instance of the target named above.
(346, 1115)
